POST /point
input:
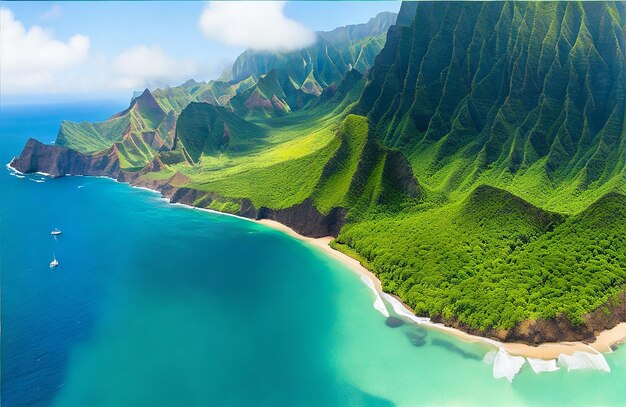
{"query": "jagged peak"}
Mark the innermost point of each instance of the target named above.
(376, 25)
(145, 99)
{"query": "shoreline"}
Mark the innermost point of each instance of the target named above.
(549, 350)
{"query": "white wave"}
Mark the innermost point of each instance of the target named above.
(541, 365)
(583, 360)
(15, 174)
(11, 169)
(144, 188)
(213, 211)
(220, 213)
(36, 180)
(505, 365)
(80, 186)
(43, 173)
(401, 310)
(490, 357)
(379, 305)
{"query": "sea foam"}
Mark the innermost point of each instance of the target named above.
(584, 360)
(541, 365)
(379, 305)
(401, 310)
(505, 365)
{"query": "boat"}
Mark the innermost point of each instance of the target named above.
(56, 232)
(54, 262)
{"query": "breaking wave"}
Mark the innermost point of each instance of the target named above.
(379, 305)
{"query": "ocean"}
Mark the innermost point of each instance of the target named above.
(154, 304)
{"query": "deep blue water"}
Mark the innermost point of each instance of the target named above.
(182, 302)
(161, 305)
(37, 329)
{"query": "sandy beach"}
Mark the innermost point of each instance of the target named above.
(603, 342)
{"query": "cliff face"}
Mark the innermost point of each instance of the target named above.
(59, 161)
(305, 219)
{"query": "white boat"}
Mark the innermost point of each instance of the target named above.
(54, 263)
(56, 232)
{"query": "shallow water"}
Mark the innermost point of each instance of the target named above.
(161, 305)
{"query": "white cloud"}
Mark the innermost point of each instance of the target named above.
(259, 25)
(142, 66)
(52, 13)
(33, 57)
(34, 61)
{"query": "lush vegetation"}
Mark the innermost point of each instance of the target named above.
(526, 96)
(204, 129)
(493, 260)
(481, 163)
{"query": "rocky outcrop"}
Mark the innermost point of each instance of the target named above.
(305, 219)
(59, 161)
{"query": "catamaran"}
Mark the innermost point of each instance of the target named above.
(56, 232)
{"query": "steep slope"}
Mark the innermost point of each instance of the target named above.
(276, 83)
(204, 129)
(274, 94)
(220, 92)
(296, 159)
(133, 129)
(272, 86)
(173, 99)
(528, 96)
(333, 54)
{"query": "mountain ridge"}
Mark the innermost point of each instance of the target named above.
(565, 106)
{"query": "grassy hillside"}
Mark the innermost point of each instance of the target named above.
(138, 133)
(283, 165)
(204, 129)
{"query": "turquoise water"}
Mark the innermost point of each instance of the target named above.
(161, 305)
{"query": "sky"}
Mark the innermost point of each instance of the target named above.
(112, 48)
